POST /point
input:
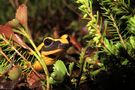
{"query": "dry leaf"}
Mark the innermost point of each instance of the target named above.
(75, 42)
(33, 80)
(21, 15)
(7, 31)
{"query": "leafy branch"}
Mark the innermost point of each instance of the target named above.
(117, 29)
(19, 25)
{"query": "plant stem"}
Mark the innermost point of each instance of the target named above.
(37, 54)
(40, 59)
(81, 67)
(117, 29)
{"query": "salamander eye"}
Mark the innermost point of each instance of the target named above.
(48, 42)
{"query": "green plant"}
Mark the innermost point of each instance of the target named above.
(105, 54)
(9, 33)
(111, 27)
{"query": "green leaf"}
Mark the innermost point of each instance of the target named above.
(107, 44)
(60, 66)
(59, 72)
(131, 25)
(71, 65)
(132, 41)
(2, 69)
(15, 73)
(94, 73)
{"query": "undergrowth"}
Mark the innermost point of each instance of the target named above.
(100, 55)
